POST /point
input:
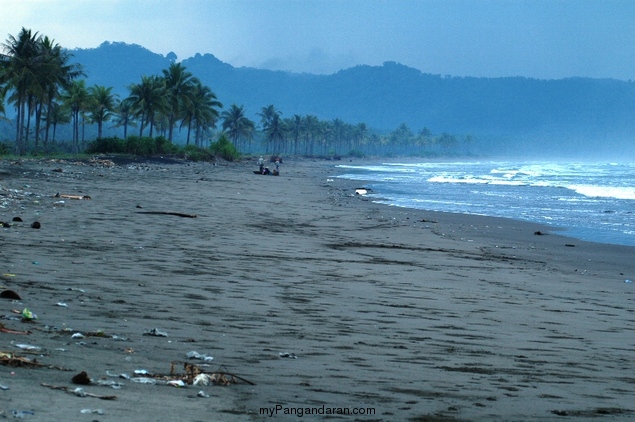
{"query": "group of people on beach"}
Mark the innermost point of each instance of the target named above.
(265, 170)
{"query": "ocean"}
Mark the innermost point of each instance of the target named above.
(593, 201)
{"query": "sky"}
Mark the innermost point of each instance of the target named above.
(544, 39)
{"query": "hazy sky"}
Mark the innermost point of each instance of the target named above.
(544, 39)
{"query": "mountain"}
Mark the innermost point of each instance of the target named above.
(574, 111)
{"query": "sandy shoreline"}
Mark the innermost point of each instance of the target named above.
(417, 315)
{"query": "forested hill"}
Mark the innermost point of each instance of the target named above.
(385, 96)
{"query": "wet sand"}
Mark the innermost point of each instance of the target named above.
(403, 314)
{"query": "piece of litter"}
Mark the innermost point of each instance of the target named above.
(176, 383)
(89, 411)
(79, 392)
(141, 372)
(62, 304)
(3, 387)
(628, 281)
(202, 394)
(28, 315)
(202, 379)
(288, 355)
(197, 355)
(143, 380)
(78, 335)
(155, 332)
(28, 347)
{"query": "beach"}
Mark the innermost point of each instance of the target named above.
(311, 298)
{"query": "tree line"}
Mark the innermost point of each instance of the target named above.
(48, 90)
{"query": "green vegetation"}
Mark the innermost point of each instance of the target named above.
(51, 100)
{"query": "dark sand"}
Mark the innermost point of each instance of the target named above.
(417, 315)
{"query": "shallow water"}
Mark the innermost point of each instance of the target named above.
(593, 201)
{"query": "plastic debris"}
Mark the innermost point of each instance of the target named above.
(155, 332)
(28, 315)
(196, 355)
(202, 394)
(202, 379)
(288, 355)
(176, 383)
(78, 335)
(628, 281)
(141, 372)
(143, 380)
(62, 304)
(21, 414)
(28, 347)
(90, 411)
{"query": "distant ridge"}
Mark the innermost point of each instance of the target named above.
(575, 110)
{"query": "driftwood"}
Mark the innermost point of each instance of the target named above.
(78, 392)
(4, 329)
(63, 195)
(178, 214)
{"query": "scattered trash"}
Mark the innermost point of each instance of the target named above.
(28, 347)
(176, 383)
(62, 304)
(196, 355)
(361, 191)
(287, 355)
(75, 289)
(3, 387)
(628, 281)
(202, 379)
(28, 315)
(109, 383)
(90, 411)
(77, 336)
(143, 380)
(9, 294)
(202, 394)
(155, 332)
(21, 414)
(141, 372)
(36, 225)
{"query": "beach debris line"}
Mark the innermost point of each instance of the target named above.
(13, 360)
(178, 214)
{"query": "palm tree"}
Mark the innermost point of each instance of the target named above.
(295, 126)
(124, 115)
(78, 100)
(178, 86)
(57, 114)
(148, 99)
(236, 124)
(103, 105)
(275, 132)
(200, 109)
(59, 74)
(19, 69)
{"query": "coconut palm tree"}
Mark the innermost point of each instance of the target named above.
(19, 64)
(78, 100)
(275, 132)
(200, 110)
(124, 116)
(103, 106)
(178, 86)
(57, 75)
(236, 124)
(148, 99)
